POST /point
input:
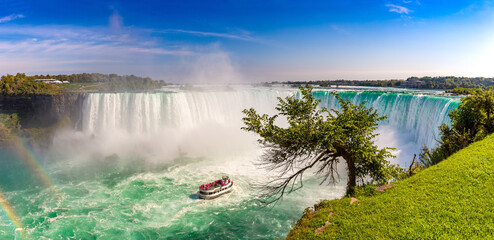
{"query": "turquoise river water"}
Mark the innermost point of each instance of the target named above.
(132, 171)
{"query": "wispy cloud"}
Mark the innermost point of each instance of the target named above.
(398, 9)
(114, 47)
(54, 37)
(338, 29)
(11, 17)
(106, 49)
(67, 48)
(242, 35)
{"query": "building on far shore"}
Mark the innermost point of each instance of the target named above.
(50, 81)
(412, 83)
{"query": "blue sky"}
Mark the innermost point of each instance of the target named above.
(249, 41)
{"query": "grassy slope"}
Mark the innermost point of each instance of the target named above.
(454, 199)
(77, 87)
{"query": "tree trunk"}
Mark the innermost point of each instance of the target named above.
(352, 178)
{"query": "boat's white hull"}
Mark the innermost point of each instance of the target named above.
(216, 194)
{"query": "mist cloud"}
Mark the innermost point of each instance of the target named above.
(214, 67)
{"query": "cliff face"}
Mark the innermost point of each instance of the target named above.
(44, 110)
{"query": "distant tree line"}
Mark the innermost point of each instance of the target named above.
(20, 84)
(453, 82)
(113, 82)
(448, 82)
(367, 83)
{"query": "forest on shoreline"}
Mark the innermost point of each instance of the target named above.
(446, 82)
(22, 84)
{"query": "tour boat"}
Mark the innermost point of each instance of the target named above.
(216, 188)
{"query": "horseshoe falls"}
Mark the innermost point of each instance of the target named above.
(413, 120)
(133, 168)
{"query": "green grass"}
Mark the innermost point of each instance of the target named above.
(82, 86)
(451, 200)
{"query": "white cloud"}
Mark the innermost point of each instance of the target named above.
(398, 9)
(242, 35)
(11, 18)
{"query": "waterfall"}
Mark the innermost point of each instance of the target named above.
(147, 112)
(412, 119)
(420, 115)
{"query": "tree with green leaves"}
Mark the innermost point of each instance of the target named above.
(471, 122)
(318, 138)
(20, 84)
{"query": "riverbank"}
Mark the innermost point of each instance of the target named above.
(454, 199)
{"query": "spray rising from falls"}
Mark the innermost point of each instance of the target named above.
(413, 120)
(148, 112)
(194, 123)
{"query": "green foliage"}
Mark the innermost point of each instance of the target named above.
(111, 82)
(463, 91)
(9, 127)
(20, 84)
(448, 82)
(10, 121)
(451, 200)
(367, 191)
(132, 82)
(317, 138)
(471, 122)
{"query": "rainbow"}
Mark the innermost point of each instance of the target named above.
(4, 204)
(34, 163)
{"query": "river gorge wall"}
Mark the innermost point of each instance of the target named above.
(39, 111)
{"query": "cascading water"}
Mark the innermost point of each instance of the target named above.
(413, 120)
(414, 117)
(420, 114)
(133, 170)
(147, 112)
